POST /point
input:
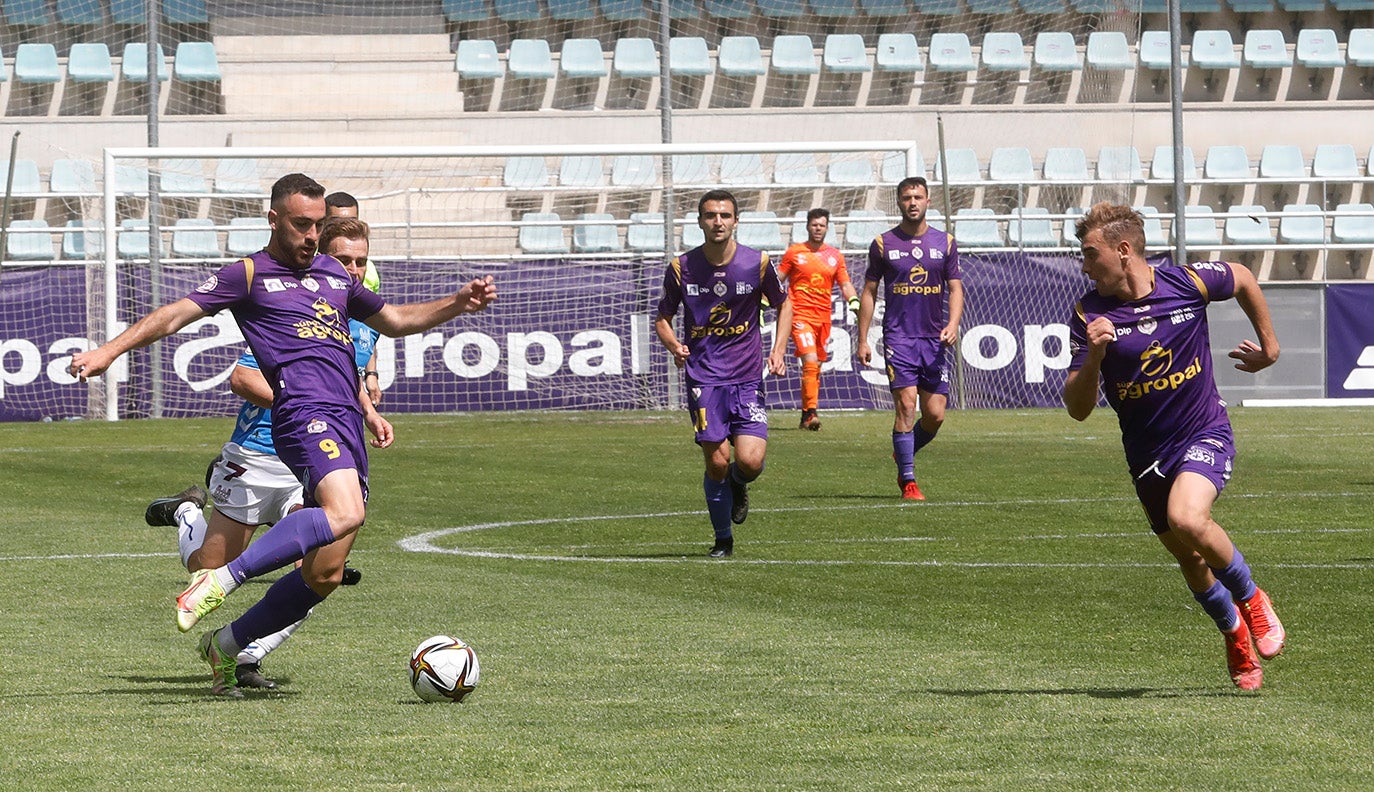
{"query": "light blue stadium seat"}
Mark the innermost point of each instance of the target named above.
(29, 240)
(1353, 5)
(1108, 50)
(689, 57)
(725, 9)
(73, 177)
(742, 169)
(27, 182)
(1355, 229)
(238, 177)
(477, 59)
(1226, 163)
(692, 235)
(1250, 6)
(1335, 161)
(963, 167)
(36, 64)
(833, 9)
(939, 7)
(517, 10)
(467, 10)
(185, 11)
(130, 180)
(1003, 51)
(1011, 164)
(894, 167)
(80, 12)
(133, 66)
(531, 59)
(683, 9)
(183, 176)
(645, 234)
(196, 61)
(1302, 5)
(601, 237)
(128, 12)
(634, 170)
(1246, 225)
(760, 230)
(80, 242)
(878, 9)
(1214, 49)
(524, 173)
(623, 10)
(975, 228)
(951, 52)
(1302, 224)
(1066, 164)
(1154, 228)
(864, 225)
(1154, 51)
(796, 168)
(247, 235)
(780, 9)
(27, 12)
(844, 53)
(1266, 49)
(132, 240)
(1044, 6)
(1094, 6)
(1162, 163)
(793, 54)
(1359, 47)
(542, 239)
(741, 56)
(582, 171)
(1031, 227)
(195, 238)
(990, 7)
(852, 172)
(1055, 50)
(90, 63)
(571, 10)
(1074, 214)
(693, 169)
(1200, 6)
(1119, 163)
(1318, 49)
(1199, 226)
(582, 58)
(634, 58)
(1278, 161)
(898, 52)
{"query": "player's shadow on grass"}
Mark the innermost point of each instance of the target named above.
(1098, 693)
(194, 686)
(831, 497)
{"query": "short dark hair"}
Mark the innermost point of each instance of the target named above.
(912, 181)
(818, 212)
(718, 195)
(295, 184)
(346, 227)
(341, 200)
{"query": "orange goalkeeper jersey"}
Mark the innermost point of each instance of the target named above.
(811, 277)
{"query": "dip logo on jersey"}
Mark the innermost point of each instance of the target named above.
(916, 283)
(719, 323)
(328, 323)
(1157, 373)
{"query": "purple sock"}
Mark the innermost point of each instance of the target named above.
(920, 437)
(1236, 577)
(718, 505)
(285, 603)
(904, 452)
(289, 540)
(1216, 602)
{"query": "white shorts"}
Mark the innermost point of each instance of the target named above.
(252, 487)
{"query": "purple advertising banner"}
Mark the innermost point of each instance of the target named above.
(1349, 340)
(562, 335)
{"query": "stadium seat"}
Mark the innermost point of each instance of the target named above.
(742, 170)
(1214, 49)
(238, 177)
(725, 9)
(72, 177)
(1303, 5)
(1002, 51)
(683, 9)
(525, 173)
(1359, 47)
(1154, 51)
(634, 170)
(1226, 163)
(185, 11)
(80, 12)
(571, 10)
(1162, 163)
(196, 61)
(581, 171)
(878, 9)
(851, 172)
(1302, 224)
(1246, 225)
(1353, 229)
(1031, 227)
(756, 231)
(634, 58)
(132, 240)
(477, 59)
(133, 66)
(1335, 161)
(894, 167)
(1055, 51)
(780, 9)
(29, 240)
(796, 168)
(1266, 49)
(623, 10)
(1154, 228)
(1044, 6)
(183, 176)
(741, 56)
(1200, 6)
(128, 12)
(195, 238)
(542, 239)
(467, 10)
(1119, 164)
(1011, 165)
(21, 13)
(1353, 5)
(1318, 49)
(582, 58)
(600, 237)
(247, 235)
(1199, 227)
(1282, 162)
(951, 52)
(1250, 6)
(89, 62)
(963, 167)
(794, 55)
(27, 182)
(79, 242)
(517, 10)
(990, 7)
(844, 53)
(37, 64)
(898, 52)
(1066, 164)
(1108, 50)
(1074, 213)
(645, 234)
(692, 169)
(864, 225)
(974, 228)
(833, 9)
(692, 235)
(689, 57)
(939, 7)
(531, 59)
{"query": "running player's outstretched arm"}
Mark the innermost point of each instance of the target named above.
(1080, 389)
(1254, 357)
(777, 356)
(155, 326)
(402, 320)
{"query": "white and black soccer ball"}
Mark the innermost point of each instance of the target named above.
(443, 668)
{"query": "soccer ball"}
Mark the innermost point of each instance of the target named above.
(443, 668)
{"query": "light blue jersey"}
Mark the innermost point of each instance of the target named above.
(253, 427)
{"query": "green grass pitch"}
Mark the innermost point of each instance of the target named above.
(1020, 630)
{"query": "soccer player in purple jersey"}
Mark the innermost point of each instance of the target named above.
(1142, 332)
(718, 286)
(919, 268)
(293, 307)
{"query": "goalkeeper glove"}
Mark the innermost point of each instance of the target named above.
(854, 306)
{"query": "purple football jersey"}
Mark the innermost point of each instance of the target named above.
(721, 312)
(1157, 374)
(914, 271)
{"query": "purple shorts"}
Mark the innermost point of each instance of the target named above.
(919, 362)
(1209, 456)
(317, 443)
(723, 411)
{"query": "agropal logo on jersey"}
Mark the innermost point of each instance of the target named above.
(1157, 373)
(719, 323)
(916, 283)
